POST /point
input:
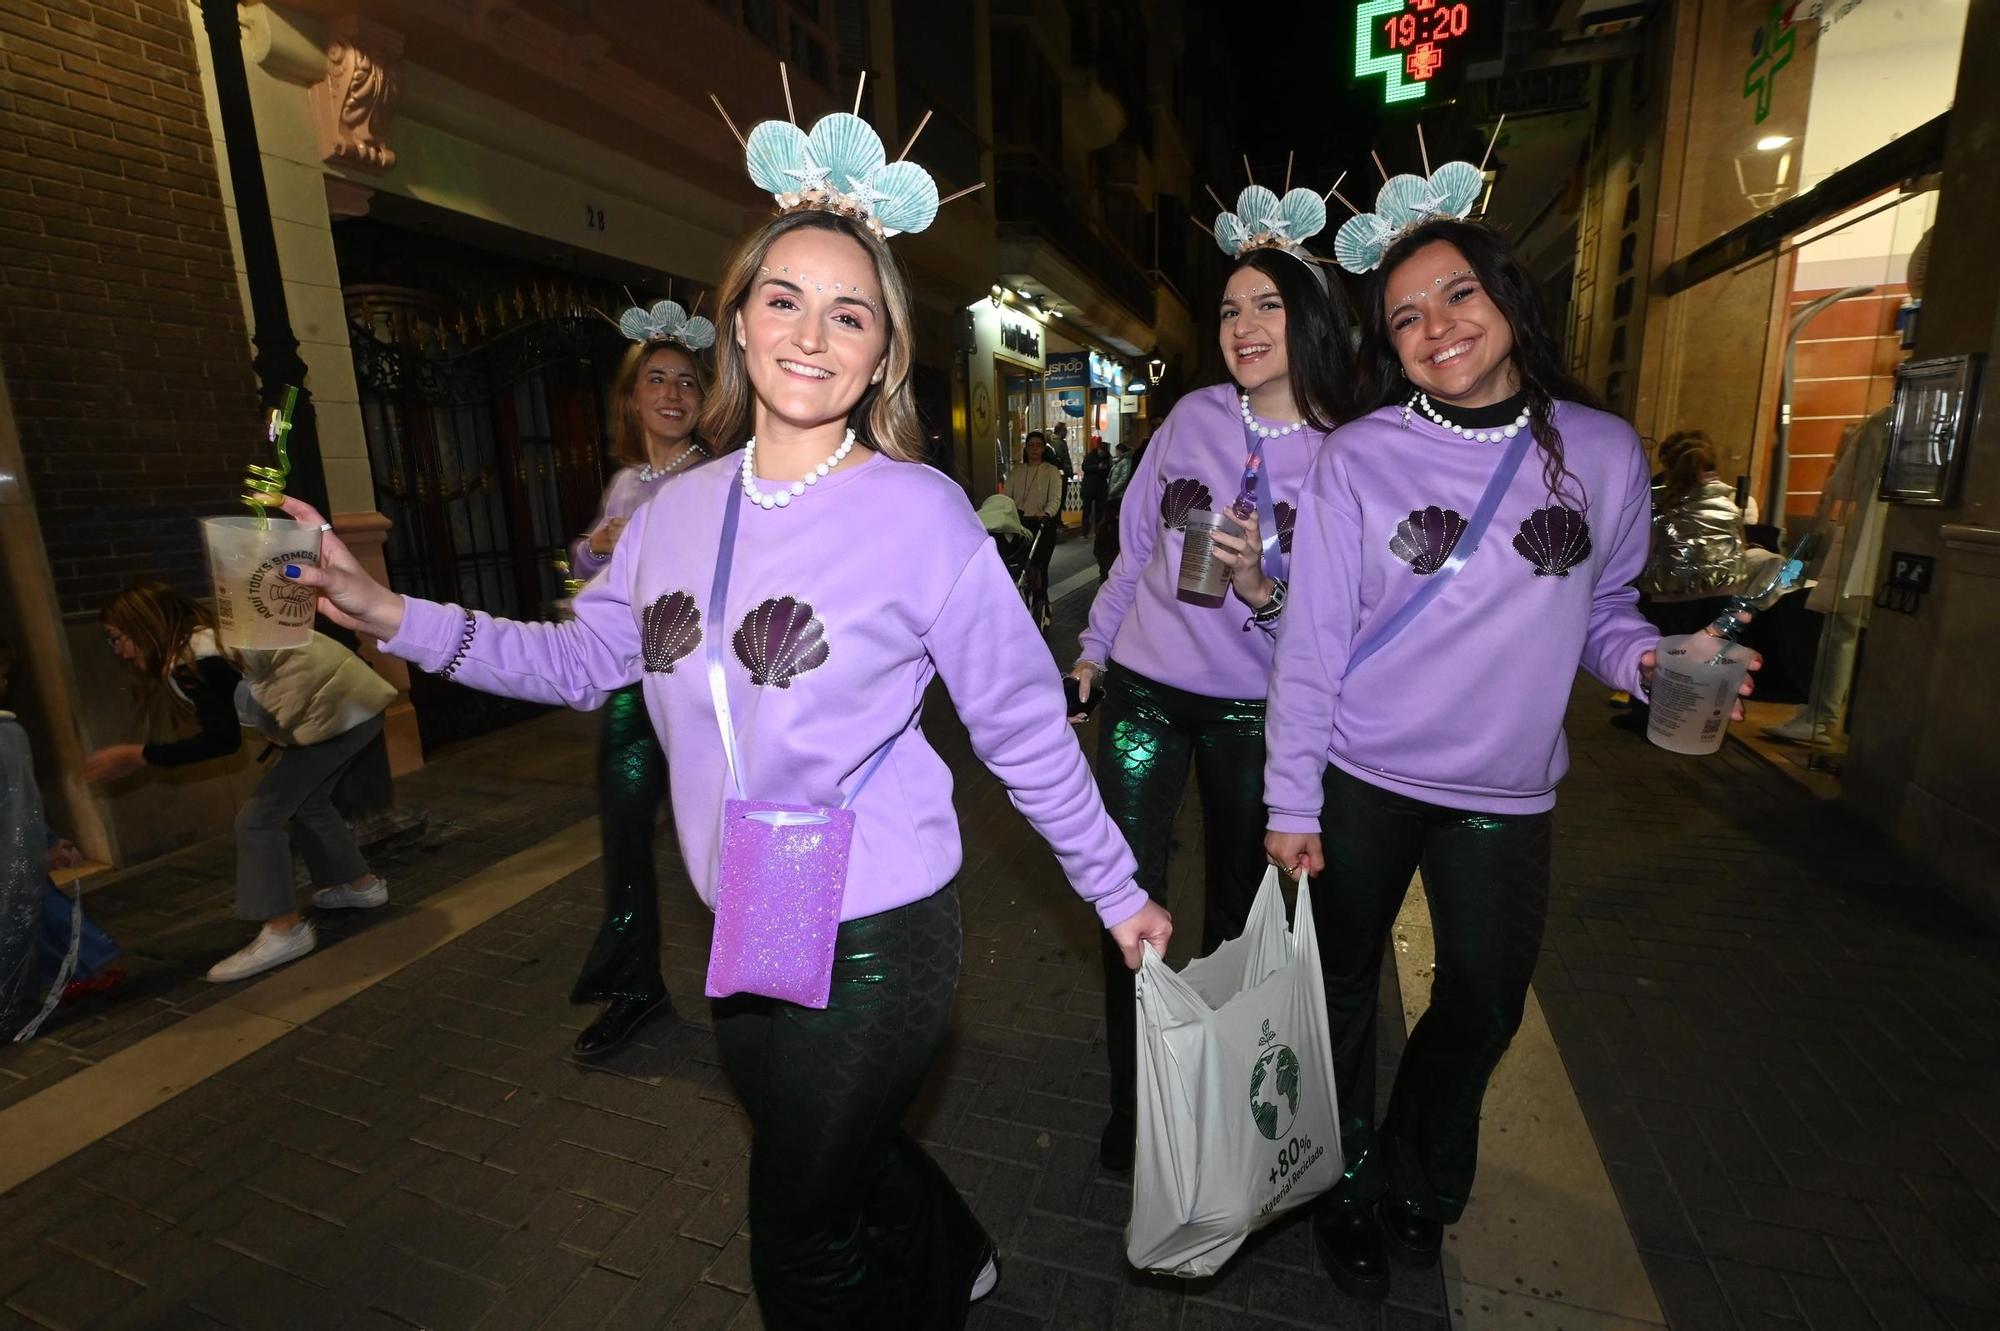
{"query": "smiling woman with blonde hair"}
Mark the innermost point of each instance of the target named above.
(784, 611)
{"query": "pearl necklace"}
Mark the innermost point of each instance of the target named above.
(1492, 435)
(650, 473)
(781, 498)
(1266, 431)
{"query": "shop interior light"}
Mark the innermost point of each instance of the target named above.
(1055, 314)
(1770, 143)
(1024, 294)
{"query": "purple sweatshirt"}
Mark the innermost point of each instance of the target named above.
(1194, 462)
(621, 500)
(841, 609)
(1464, 708)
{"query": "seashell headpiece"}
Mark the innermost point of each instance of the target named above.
(840, 167)
(667, 322)
(1405, 202)
(1266, 220)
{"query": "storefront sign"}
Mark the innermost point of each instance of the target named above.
(1415, 43)
(1071, 369)
(1022, 340)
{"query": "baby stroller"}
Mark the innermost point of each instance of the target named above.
(1018, 547)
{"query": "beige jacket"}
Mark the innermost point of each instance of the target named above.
(304, 695)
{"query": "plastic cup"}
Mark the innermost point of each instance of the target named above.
(256, 606)
(1204, 578)
(1694, 688)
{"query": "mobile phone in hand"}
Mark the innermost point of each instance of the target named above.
(1071, 691)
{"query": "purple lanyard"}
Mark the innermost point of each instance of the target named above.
(1467, 547)
(1276, 563)
(718, 682)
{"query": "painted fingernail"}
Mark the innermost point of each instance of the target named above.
(291, 570)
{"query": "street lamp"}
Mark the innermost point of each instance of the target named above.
(1156, 370)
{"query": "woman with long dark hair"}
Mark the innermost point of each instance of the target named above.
(1184, 682)
(657, 398)
(1417, 703)
(785, 612)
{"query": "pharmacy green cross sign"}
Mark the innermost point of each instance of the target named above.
(1770, 51)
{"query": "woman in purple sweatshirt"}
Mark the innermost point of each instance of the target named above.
(856, 577)
(1184, 682)
(1435, 740)
(659, 390)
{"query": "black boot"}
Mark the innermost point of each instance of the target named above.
(1350, 1243)
(615, 1025)
(1119, 1145)
(1412, 1240)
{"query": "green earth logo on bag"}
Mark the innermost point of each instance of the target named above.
(1274, 1087)
(279, 598)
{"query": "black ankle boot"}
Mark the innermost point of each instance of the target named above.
(1350, 1243)
(1119, 1145)
(1412, 1240)
(620, 1018)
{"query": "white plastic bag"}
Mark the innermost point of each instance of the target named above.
(1237, 1115)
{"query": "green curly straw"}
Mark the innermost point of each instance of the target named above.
(264, 487)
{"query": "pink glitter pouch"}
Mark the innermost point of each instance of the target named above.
(783, 869)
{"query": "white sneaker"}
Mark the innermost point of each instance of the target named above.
(989, 1276)
(1799, 730)
(271, 947)
(353, 898)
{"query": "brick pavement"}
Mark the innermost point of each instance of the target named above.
(1782, 1037)
(426, 1155)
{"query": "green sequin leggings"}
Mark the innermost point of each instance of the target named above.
(1487, 880)
(624, 960)
(851, 1223)
(1149, 734)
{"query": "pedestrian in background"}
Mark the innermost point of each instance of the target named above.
(658, 392)
(1096, 486)
(319, 704)
(1036, 488)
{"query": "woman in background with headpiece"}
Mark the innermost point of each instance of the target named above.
(786, 615)
(1407, 735)
(659, 393)
(1184, 682)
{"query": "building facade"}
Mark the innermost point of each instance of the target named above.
(457, 194)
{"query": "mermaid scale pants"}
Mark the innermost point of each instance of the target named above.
(851, 1223)
(1487, 879)
(1149, 733)
(624, 960)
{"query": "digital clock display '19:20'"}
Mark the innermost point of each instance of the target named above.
(1438, 23)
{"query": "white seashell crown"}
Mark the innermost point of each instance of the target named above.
(1264, 220)
(1403, 203)
(841, 167)
(667, 322)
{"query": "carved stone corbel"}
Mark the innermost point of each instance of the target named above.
(352, 103)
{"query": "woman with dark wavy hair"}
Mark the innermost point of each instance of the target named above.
(1184, 682)
(1417, 703)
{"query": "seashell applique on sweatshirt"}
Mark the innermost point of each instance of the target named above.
(1181, 497)
(669, 629)
(779, 641)
(1554, 539)
(1426, 538)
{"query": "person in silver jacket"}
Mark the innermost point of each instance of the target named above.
(1698, 543)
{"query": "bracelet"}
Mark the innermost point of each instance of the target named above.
(464, 646)
(1267, 614)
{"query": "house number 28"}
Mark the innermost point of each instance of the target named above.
(593, 217)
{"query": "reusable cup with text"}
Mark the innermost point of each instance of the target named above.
(256, 606)
(1204, 578)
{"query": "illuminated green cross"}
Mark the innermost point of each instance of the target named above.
(1394, 87)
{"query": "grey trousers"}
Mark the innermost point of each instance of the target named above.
(295, 800)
